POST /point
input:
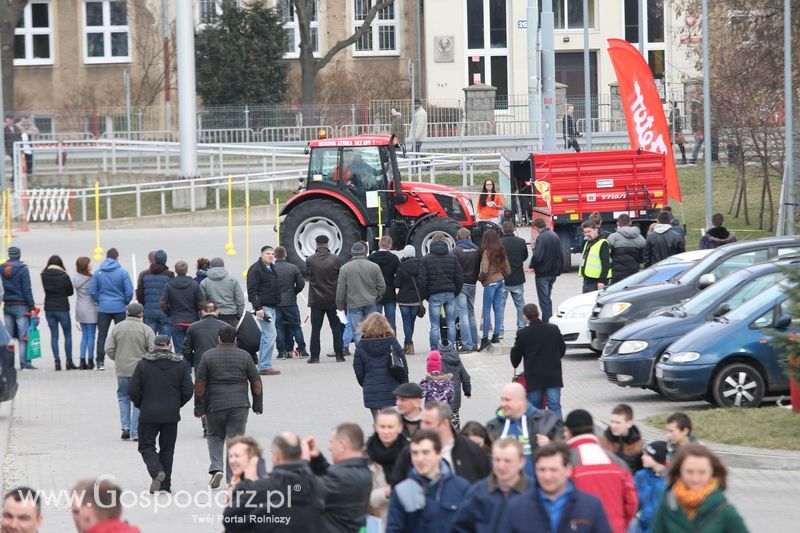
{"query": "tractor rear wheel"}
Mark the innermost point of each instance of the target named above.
(312, 218)
(566, 250)
(423, 235)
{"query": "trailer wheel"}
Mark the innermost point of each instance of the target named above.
(566, 250)
(423, 235)
(312, 218)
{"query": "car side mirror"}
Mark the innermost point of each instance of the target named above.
(706, 280)
(783, 321)
(721, 310)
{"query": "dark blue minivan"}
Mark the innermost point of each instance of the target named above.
(630, 356)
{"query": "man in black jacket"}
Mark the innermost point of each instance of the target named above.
(388, 262)
(664, 241)
(181, 302)
(202, 335)
(159, 388)
(469, 257)
(517, 251)
(222, 380)
(540, 347)
(547, 262)
(440, 281)
(348, 481)
(466, 458)
(627, 247)
(252, 500)
(264, 294)
(323, 275)
(287, 315)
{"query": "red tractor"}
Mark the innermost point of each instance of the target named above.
(353, 186)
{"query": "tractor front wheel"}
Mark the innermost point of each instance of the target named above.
(313, 218)
(424, 234)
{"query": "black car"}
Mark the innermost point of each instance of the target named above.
(630, 356)
(611, 313)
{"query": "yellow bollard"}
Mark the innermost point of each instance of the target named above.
(98, 250)
(229, 247)
(278, 219)
(380, 218)
(246, 226)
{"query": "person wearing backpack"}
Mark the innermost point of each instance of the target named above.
(451, 364)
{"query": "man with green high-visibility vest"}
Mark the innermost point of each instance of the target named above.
(595, 266)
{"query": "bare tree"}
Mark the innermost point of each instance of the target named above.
(10, 13)
(310, 65)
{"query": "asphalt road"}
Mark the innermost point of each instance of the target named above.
(64, 427)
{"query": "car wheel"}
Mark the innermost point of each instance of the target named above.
(738, 385)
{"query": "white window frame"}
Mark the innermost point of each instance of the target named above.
(655, 47)
(29, 31)
(592, 9)
(294, 25)
(487, 52)
(376, 25)
(106, 29)
(217, 5)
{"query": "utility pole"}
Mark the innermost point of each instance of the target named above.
(640, 9)
(789, 115)
(534, 93)
(187, 103)
(587, 86)
(3, 132)
(167, 74)
(707, 118)
(419, 46)
(411, 78)
(548, 77)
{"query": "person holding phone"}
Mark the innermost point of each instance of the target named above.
(490, 204)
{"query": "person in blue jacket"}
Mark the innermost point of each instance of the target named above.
(18, 301)
(555, 504)
(427, 501)
(487, 499)
(112, 289)
(650, 484)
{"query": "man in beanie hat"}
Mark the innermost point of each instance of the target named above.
(323, 274)
(224, 290)
(359, 288)
(600, 473)
(126, 345)
(440, 281)
(159, 387)
(149, 290)
(650, 482)
(18, 302)
(112, 289)
(264, 293)
(437, 386)
(408, 400)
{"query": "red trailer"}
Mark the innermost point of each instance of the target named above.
(566, 187)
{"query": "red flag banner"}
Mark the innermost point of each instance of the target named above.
(644, 113)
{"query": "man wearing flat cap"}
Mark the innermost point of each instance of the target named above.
(408, 399)
(160, 386)
(359, 289)
(323, 274)
(126, 345)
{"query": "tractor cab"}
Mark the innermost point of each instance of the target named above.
(363, 170)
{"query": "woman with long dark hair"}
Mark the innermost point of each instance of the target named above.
(494, 267)
(57, 290)
(695, 499)
(490, 204)
(85, 311)
(408, 296)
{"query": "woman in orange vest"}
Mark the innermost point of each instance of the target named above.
(490, 204)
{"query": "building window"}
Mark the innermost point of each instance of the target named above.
(106, 31)
(653, 34)
(487, 47)
(568, 14)
(292, 28)
(209, 11)
(381, 38)
(33, 36)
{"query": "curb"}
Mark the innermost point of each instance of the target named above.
(740, 456)
(6, 416)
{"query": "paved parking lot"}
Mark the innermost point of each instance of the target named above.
(64, 427)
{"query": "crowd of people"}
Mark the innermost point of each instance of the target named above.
(419, 471)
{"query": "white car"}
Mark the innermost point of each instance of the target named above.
(573, 314)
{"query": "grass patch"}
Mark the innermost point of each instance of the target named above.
(766, 427)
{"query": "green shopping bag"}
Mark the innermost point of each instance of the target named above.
(34, 341)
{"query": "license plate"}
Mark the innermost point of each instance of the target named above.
(659, 372)
(602, 366)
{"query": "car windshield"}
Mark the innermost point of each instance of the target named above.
(747, 309)
(662, 271)
(746, 291)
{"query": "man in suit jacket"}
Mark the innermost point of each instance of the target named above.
(540, 347)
